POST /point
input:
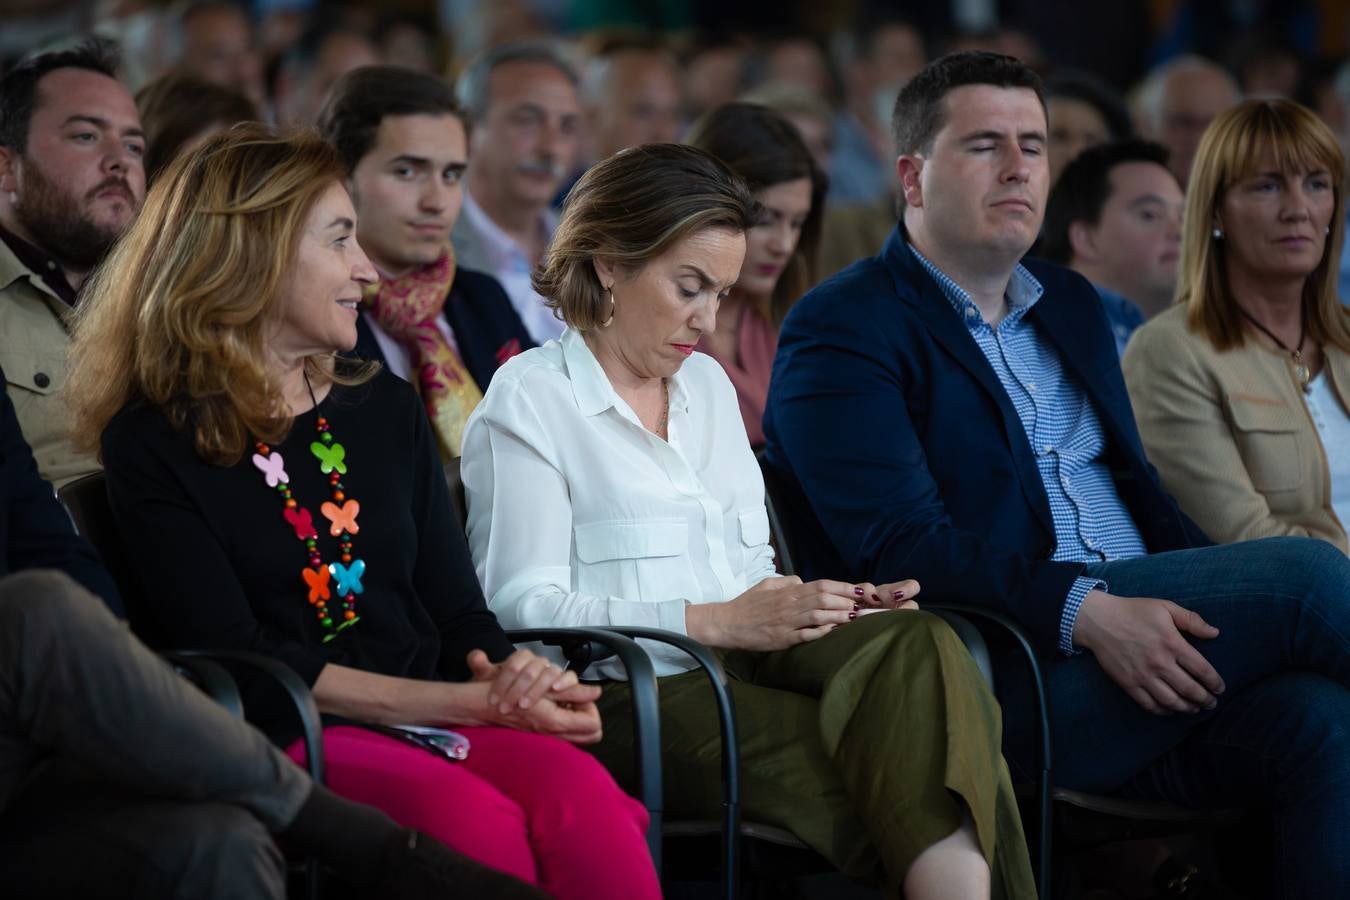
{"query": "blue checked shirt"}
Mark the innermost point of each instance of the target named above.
(1066, 436)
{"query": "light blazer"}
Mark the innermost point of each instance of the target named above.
(901, 455)
(1230, 434)
(33, 346)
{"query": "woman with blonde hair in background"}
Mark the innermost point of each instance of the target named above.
(1242, 390)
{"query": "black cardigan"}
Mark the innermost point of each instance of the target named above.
(218, 566)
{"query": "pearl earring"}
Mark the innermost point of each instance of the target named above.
(1218, 234)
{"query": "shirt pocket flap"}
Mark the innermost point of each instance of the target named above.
(754, 527)
(600, 541)
(1264, 416)
(33, 370)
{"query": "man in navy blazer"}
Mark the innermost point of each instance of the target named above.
(948, 412)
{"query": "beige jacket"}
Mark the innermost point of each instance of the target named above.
(1230, 434)
(33, 345)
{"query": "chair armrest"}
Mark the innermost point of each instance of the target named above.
(731, 755)
(211, 678)
(311, 725)
(576, 645)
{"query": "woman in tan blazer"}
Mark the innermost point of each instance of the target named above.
(1242, 390)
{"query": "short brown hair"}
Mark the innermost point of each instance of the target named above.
(179, 313)
(1235, 144)
(629, 209)
(920, 112)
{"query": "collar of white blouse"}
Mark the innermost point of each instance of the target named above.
(592, 389)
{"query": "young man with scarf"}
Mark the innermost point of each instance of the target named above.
(444, 329)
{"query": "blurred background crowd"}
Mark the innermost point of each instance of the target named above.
(1158, 68)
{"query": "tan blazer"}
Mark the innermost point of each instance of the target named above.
(33, 346)
(1230, 434)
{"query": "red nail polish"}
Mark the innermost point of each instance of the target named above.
(853, 615)
(858, 591)
(876, 597)
(856, 607)
(899, 595)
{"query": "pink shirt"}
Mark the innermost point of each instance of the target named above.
(756, 343)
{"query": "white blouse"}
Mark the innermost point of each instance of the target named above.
(1333, 428)
(580, 516)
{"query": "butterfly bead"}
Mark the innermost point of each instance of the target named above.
(330, 457)
(348, 577)
(301, 521)
(317, 580)
(272, 467)
(343, 517)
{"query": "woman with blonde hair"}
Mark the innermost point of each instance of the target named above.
(1242, 390)
(864, 726)
(273, 497)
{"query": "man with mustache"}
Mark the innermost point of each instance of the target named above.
(441, 326)
(951, 412)
(525, 117)
(71, 180)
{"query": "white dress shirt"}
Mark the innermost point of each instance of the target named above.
(578, 515)
(1333, 428)
(482, 245)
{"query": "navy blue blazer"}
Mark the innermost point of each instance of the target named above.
(35, 530)
(487, 330)
(899, 454)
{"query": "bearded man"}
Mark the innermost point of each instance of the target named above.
(71, 181)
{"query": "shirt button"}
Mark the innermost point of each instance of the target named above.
(41, 379)
(1032, 387)
(1046, 448)
(51, 266)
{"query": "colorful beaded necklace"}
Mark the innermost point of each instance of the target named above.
(341, 513)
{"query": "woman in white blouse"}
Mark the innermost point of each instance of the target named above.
(1242, 390)
(610, 482)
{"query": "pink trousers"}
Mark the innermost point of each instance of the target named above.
(530, 805)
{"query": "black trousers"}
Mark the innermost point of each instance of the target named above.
(117, 777)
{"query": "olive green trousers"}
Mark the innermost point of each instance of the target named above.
(870, 745)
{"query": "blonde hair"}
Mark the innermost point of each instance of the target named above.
(179, 313)
(1234, 145)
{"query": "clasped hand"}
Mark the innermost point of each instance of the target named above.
(532, 693)
(783, 612)
(1141, 644)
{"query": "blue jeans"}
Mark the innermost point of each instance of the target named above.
(1280, 734)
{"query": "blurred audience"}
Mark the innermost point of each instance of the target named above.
(810, 115)
(71, 180)
(1082, 112)
(1242, 392)
(525, 131)
(795, 59)
(714, 74)
(762, 148)
(442, 327)
(307, 71)
(630, 93)
(887, 53)
(409, 43)
(1177, 103)
(1115, 218)
(217, 44)
(180, 111)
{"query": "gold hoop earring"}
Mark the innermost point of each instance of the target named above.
(610, 321)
